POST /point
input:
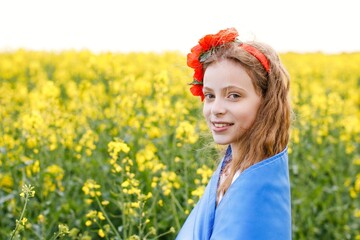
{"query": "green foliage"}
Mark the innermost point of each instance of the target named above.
(116, 147)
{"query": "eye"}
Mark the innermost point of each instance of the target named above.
(234, 96)
(209, 96)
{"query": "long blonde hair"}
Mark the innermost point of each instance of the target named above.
(269, 134)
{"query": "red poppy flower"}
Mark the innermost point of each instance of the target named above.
(205, 44)
(196, 90)
(199, 74)
(193, 57)
(214, 40)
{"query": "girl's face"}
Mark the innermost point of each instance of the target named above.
(231, 102)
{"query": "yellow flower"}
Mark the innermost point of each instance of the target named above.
(23, 221)
(101, 216)
(125, 184)
(205, 173)
(27, 191)
(6, 182)
(134, 237)
(357, 161)
(168, 181)
(41, 218)
(53, 179)
(117, 146)
(199, 191)
(154, 132)
(101, 233)
(357, 213)
(135, 204)
(357, 183)
(91, 188)
(91, 214)
(186, 132)
(63, 230)
(353, 193)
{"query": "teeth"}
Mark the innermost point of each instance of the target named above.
(221, 124)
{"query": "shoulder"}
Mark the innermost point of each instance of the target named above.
(274, 163)
(257, 205)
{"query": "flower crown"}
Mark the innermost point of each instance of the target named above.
(205, 48)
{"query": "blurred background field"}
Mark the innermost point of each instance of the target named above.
(116, 147)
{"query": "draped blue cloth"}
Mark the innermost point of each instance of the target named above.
(255, 207)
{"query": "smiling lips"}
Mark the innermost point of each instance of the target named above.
(221, 126)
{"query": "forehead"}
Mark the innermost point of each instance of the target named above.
(226, 73)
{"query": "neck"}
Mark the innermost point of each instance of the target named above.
(234, 150)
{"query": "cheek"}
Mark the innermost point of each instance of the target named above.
(206, 111)
(207, 114)
(247, 116)
(253, 113)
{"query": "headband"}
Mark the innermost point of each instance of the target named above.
(205, 48)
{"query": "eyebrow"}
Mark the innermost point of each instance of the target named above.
(225, 89)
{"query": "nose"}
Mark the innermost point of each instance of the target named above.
(218, 107)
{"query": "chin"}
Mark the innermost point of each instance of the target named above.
(221, 141)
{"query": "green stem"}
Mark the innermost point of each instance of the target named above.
(142, 224)
(162, 234)
(173, 208)
(153, 208)
(107, 218)
(21, 217)
(55, 236)
(123, 216)
(174, 199)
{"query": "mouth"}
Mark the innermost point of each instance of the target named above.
(221, 126)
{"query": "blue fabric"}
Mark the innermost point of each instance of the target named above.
(255, 207)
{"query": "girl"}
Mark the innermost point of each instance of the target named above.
(245, 88)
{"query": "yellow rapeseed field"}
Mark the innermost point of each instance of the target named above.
(115, 146)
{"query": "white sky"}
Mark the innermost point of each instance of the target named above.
(158, 25)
